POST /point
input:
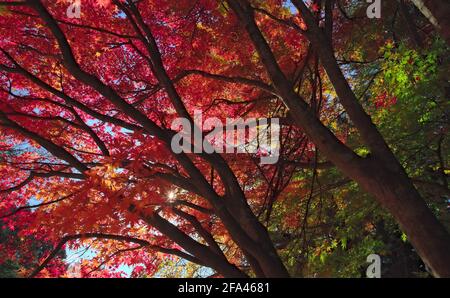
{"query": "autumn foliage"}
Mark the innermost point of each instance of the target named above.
(86, 106)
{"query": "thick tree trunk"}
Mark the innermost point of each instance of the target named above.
(395, 192)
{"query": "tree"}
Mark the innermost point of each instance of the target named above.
(91, 101)
(387, 180)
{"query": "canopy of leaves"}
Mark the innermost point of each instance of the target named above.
(86, 106)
